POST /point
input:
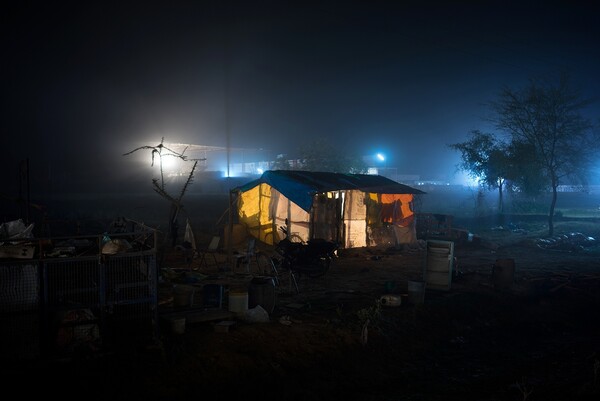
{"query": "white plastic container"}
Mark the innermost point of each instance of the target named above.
(238, 301)
(390, 300)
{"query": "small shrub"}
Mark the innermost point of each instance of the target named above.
(372, 313)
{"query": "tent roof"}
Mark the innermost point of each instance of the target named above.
(301, 186)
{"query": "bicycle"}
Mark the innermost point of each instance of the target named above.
(272, 267)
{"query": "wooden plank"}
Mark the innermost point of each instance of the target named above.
(198, 316)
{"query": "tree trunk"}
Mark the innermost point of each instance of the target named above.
(173, 224)
(551, 213)
(500, 199)
(500, 214)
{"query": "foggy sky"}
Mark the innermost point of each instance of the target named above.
(84, 83)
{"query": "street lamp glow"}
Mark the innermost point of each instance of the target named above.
(169, 162)
(380, 156)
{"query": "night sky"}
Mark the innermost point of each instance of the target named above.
(82, 83)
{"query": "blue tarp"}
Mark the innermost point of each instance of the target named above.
(301, 186)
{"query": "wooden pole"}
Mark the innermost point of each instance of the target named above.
(230, 233)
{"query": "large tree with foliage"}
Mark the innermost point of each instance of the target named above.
(486, 159)
(546, 121)
(523, 174)
(281, 163)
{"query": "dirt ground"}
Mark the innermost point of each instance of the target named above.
(538, 339)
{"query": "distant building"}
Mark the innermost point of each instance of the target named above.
(432, 182)
(232, 162)
(218, 161)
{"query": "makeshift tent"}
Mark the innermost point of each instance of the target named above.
(356, 210)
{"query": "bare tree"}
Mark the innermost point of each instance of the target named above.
(158, 150)
(161, 151)
(548, 118)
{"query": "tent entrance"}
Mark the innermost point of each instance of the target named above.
(326, 216)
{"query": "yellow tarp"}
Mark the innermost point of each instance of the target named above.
(263, 210)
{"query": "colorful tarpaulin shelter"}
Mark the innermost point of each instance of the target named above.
(356, 210)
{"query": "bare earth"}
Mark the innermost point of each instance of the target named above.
(537, 340)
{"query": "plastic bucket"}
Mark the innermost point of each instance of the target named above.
(238, 301)
(262, 292)
(212, 295)
(183, 295)
(178, 325)
(416, 292)
(390, 287)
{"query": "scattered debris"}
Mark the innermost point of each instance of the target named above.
(224, 326)
(15, 229)
(116, 245)
(364, 334)
(294, 306)
(571, 242)
(255, 315)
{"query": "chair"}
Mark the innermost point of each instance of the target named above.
(246, 257)
(210, 250)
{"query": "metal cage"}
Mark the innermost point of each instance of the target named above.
(87, 301)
